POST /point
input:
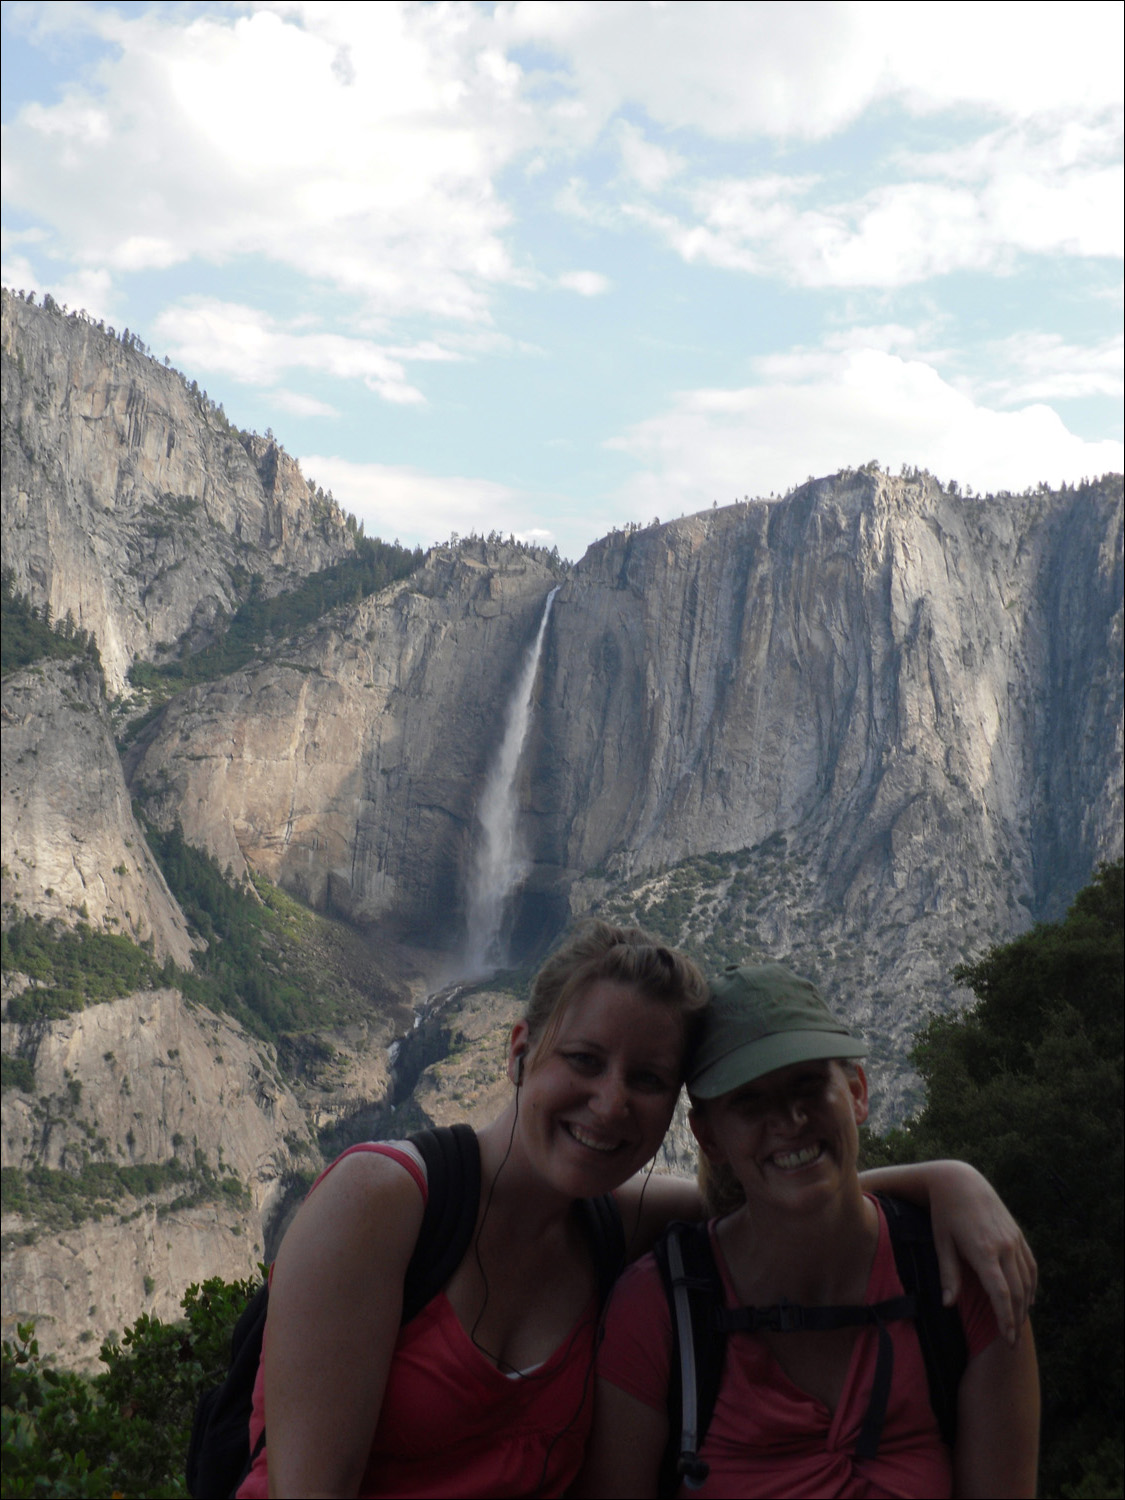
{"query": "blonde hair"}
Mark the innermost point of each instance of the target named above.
(594, 950)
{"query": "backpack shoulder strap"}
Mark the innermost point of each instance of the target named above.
(940, 1334)
(601, 1219)
(695, 1299)
(218, 1456)
(452, 1158)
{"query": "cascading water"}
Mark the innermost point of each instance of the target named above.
(499, 862)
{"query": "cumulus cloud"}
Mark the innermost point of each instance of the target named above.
(806, 70)
(1045, 367)
(220, 134)
(420, 508)
(815, 411)
(1026, 189)
(363, 146)
(585, 283)
(648, 165)
(89, 290)
(301, 405)
(254, 347)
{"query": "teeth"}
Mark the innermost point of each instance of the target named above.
(788, 1159)
(592, 1142)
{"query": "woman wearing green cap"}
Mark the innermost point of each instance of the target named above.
(818, 1383)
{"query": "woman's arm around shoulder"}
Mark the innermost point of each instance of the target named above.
(997, 1452)
(970, 1223)
(334, 1314)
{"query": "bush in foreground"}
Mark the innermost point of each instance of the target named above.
(125, 1431)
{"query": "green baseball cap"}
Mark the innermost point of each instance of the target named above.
(761, 1017)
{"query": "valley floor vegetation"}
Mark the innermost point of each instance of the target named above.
(1026, 1084)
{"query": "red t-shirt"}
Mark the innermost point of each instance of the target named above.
(767, 1436)
(452, 1424)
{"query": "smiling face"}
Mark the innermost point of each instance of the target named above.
(596, 1099)
(791, 1137)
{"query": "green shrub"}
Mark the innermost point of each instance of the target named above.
(16, 1073)
(1027, 1085)
(124, 1431)
(262, 622)
(70, 967)
(28, 634)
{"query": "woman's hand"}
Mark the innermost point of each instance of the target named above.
(972, 1225)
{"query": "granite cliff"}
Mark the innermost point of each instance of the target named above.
(877, 678)
(70, 845)
(130, 501)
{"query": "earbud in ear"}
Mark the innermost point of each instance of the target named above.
(519, 1069)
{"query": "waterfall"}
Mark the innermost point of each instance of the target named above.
(499, 862)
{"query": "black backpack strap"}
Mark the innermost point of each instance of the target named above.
(795, 1317)
(792, 1317)
(940, 1332)
(452, 1158)
(601, 1220)
(218, 1459)
(695, 1299)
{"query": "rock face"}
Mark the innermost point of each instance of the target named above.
(354, 777)
(70, 845)
(145, 1080)
(129, 500)
(882, 674)
(873, 660)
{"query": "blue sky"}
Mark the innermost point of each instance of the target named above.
(548, 268)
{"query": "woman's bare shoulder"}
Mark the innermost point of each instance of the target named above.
(367, 1199)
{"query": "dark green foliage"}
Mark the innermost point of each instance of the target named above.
(70, 967)
(17, 1073)
(237, 974)
(58, 1200)
(1028, 1087)
(262, 622)
(125, 1431)
(272, 964)
(707, 904)
(28, 634)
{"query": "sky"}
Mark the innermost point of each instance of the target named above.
(546, 269)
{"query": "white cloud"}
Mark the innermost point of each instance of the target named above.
(301, 405)
(253, 347)
(1044, 367)
(398, 500)
(1025, 189)
(648, 165)
(807, 70)
(90, 290)
(361, 145)
(585, 283)
(815, 411)
(220, 134)
(17, 272)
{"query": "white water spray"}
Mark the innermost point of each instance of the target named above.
(500, 864)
